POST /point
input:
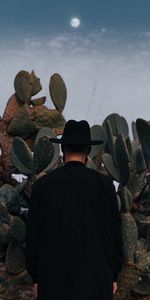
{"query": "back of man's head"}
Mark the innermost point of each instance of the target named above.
(78, 149)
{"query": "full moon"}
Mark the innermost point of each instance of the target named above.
(75, 22)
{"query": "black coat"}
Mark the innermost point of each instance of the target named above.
(74, 245)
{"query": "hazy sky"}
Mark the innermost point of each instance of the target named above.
(105, 62)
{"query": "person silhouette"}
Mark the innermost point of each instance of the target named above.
(74, 240)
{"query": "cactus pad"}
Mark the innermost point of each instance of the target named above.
(15, 259)
(22, 156)
(123, 160)
(47, 132)
(110, 166)
(17, 229)
(26, 85)
(58, 91)
(143, 130)
(43, 154)
(97, 133)
(22, 124)
(130, 236)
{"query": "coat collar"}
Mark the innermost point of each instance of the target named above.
(75, 163)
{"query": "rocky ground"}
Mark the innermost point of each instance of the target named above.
(15, 287)
(21, 288)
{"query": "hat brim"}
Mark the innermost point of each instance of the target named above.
(74, 142)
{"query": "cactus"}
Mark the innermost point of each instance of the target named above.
(134, 131)
(143, 130)
(38, 101)
(126, 199)
(123, 160)
(22, 156)
(4, 216)
(36, 85)
(12, 107)
(4, 234)
(46, 132)
(7, 192)
(118, 125)
(22, 124)
(41, 159)
(127, 161)
(58, 91)
(129, 147)
(15, 259)
(26, 85)
(120, 170)
(24, 116)
(91, 165)
(44, 117)
(110, 166)
(97, 133)
(29, 163)
(129, 227)
(110, 140)
(138, 158)
(4, 225)
(17, 229)
(130, 236)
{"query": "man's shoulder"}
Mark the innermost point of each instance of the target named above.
(104, 179)
(48, 176)
(102, 176)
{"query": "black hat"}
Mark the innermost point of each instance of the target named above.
(76, 133)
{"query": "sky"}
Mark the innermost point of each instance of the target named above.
(105, 62)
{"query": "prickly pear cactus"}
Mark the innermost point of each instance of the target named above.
(26, 85)
(97, 133)
(38, 101)
(15, 258)
(130, 236)
(17, 229)
(122, 159)
(41, 159)
(12, 107)
(118, 124)
(45, 117)
(29, 163)
(143, 130)
(22, 156)
(22, 124)
(120, 168)
(47, 132)
(110, 166)
(110, 140)
(58, 91)
(139, 164)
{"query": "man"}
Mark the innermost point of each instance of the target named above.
(74, 247)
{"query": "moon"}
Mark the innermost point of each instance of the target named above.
(75, 22)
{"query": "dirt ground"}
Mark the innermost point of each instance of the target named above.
(21, 288)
